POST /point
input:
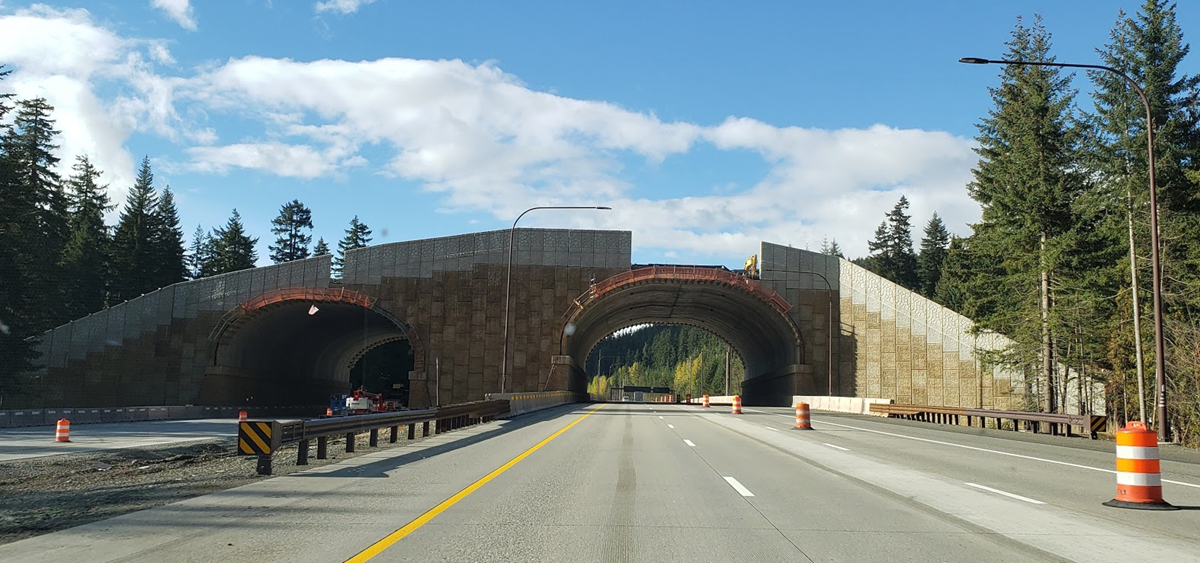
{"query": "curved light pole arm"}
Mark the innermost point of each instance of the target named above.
(1155, 265)
(512, 233)
(828, 329)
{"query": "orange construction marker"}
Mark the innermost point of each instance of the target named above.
(1139, 482)
(737, 405)
(803, 417)
(63, 432)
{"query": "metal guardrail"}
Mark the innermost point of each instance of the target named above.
(1059, 424)
(264, 438)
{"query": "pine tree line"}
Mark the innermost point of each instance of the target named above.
(59, 261)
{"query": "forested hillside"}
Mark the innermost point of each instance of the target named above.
(684, 358)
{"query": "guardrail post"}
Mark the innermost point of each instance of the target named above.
(302, 453)
(393, 436)
(264, 465)
(374, 441)
(350, 439)
(412, 431)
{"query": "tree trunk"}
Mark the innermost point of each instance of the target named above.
(1137, 317)
(1048, 403)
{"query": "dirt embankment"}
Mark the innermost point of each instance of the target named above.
(47, 494)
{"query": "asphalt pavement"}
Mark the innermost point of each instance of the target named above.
(652, 482)
(38, 441)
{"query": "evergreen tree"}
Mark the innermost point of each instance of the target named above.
(322, 248)
(85, 260)
(891, 249)
(37, 192)
(292, 230)
(202, 255)
(19, 262)
(1149, 48)
(167, 243)
(831, 248)
(234, 249)
(1027, 180)
(933, 254)
(357, 236)
(133, 250)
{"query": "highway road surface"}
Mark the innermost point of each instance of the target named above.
(637, 482)
(38, 441)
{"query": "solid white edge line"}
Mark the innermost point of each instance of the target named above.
(1009, 495)
(670, 426)
(738, 487)
(689, 442)
(836, 447)
(1010, 454)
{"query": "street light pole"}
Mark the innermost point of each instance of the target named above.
(1155, 268)
(828, 330)
(512, 233)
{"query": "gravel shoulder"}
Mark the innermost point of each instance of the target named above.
(46, 494)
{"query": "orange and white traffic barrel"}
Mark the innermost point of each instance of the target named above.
(737, 405)
(242, 416)
(1139, 481)
(328, 411)
(803, 417)
(63, 432)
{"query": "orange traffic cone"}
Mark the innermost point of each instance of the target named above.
(328, 411)
(63, 432)
(1139, 482)
(737, 405)
(706, 400)
(241, 416)
(803, 417)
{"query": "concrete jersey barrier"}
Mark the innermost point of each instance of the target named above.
(521, 403)
(851, 405)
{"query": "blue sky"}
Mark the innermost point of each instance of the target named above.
(707, 126)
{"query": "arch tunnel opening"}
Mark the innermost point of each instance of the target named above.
(300, 352)
(745, 314)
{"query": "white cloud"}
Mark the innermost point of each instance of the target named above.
(178, 10)
(63, 56)
(483, 141)
(341, 6)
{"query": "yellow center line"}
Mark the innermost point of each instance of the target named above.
(378, 547)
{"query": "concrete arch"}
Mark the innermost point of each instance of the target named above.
(271, 350)
(741, 311)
